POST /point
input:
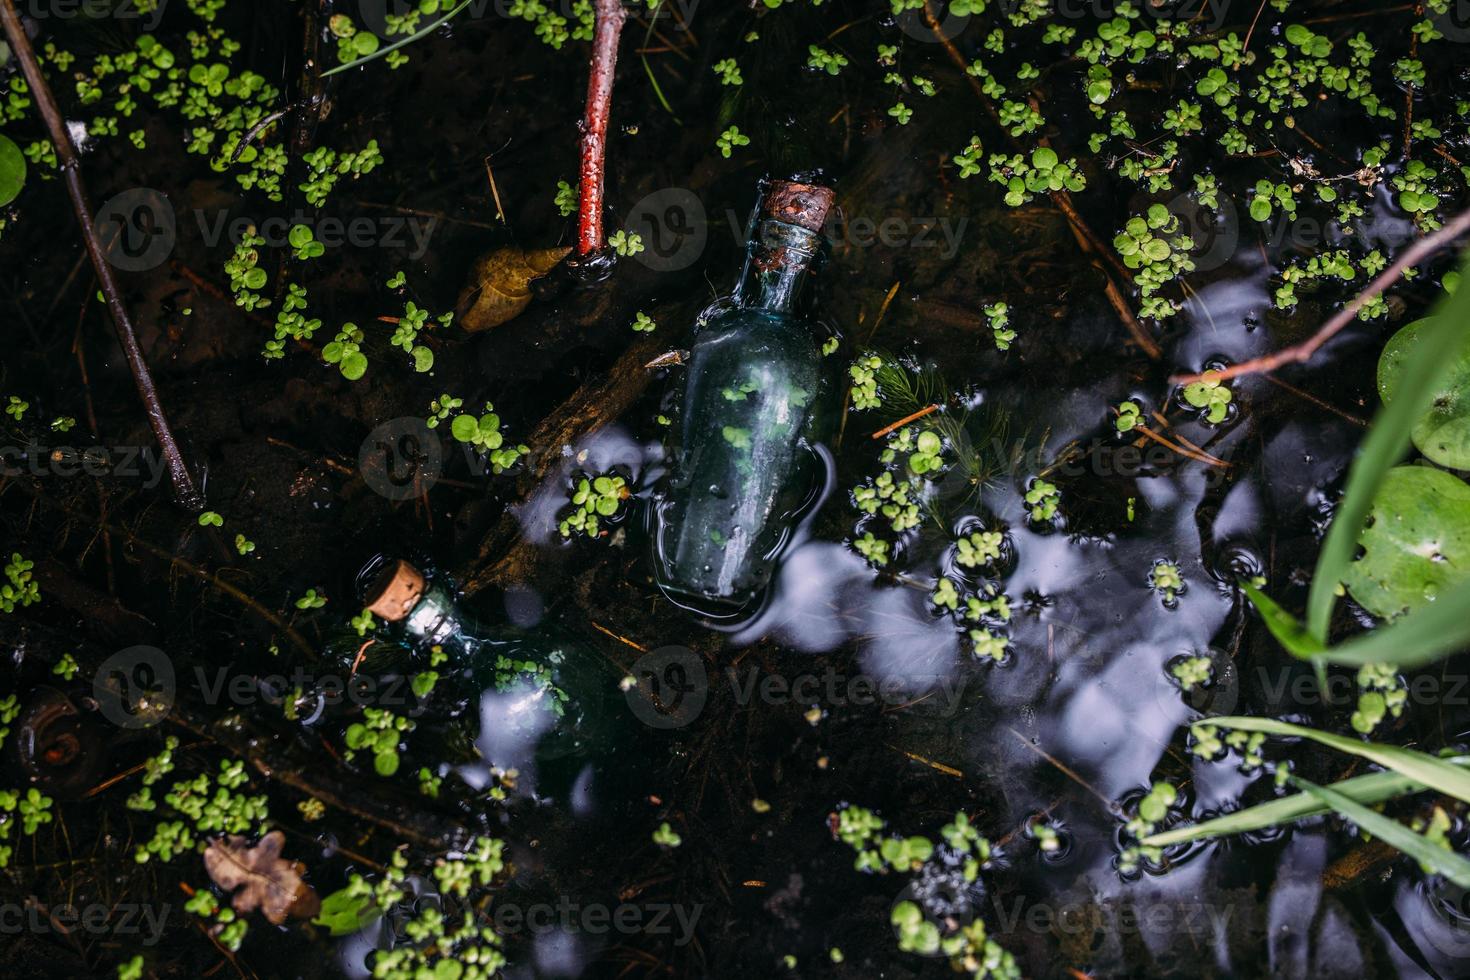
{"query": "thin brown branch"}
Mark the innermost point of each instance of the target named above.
(1198, 455)
(186, 492)
(1302, 352)
(609, 27)
(182, 564)
(1252, 31)
(913, 417)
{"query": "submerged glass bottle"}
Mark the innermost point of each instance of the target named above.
(546, 706)
(753, 409)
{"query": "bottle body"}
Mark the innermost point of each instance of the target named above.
(743, 462)
(535, 703)
(539, 697)
(754, 407)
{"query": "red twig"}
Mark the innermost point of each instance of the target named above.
(1303, 351)
(185, 491)
(610, 18)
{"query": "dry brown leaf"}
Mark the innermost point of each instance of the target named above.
(500, 287)
(266, 881)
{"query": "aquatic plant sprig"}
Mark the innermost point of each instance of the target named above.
(20, 588)
(594, 500)
(482, 432)
(371, 50)
(957, 862)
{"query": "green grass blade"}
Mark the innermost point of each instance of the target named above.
(1418, 637)
(1434, 773)
(1287, 629)
(1415, 845)
(398, 44)
(1375, 787)
(1387, 440)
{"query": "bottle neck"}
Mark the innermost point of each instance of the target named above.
(776, 264)
(435, 618)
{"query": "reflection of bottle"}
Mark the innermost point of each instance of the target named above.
(751, 414)
(542, 703)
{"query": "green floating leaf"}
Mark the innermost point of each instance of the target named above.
(346, 912)
(1435, 773)
(1387, 439)
(353, 365)
(12, 170)
(1375, 787)
(1443, 432)
(1417, 542)
(1417, 846)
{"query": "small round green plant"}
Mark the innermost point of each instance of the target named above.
(594, 499)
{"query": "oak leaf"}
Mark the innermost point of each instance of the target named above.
(266, 881)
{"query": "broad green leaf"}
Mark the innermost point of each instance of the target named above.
(1375, 787)
(1443, 432)
(344, 913)
(464, 428)
(1387, 439)
(1417, 542)
(1437, 774)
(12, 170)
(353, 365)
(1391, 832)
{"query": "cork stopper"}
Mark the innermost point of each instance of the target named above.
(396, 590)
(803, 205)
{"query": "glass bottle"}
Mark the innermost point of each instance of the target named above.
(546, 707)
(753, 408)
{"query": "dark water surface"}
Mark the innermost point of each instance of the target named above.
(1074, 726)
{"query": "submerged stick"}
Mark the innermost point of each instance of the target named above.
(186, 493)
(610, 18)
(268, 749)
